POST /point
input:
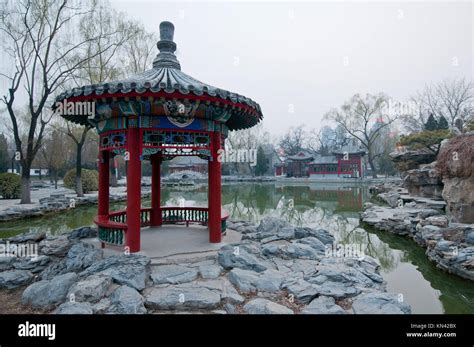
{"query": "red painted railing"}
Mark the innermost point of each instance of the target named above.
(112, 228)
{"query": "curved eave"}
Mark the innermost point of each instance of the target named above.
(244, 115)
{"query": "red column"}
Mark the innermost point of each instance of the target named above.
(155, 217)
(103, 209)
(133, 189)
(214, 190)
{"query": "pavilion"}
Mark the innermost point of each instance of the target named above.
(157, 115)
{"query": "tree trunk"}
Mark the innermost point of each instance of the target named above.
(25, 184)
(79, 190)
(372, 166)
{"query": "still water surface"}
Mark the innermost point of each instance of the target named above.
(330, 206)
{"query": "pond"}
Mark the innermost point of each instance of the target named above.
(334, 207)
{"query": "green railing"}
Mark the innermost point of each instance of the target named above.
(112, 228)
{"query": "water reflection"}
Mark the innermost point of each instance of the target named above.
(332, 207)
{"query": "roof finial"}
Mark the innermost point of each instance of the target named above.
(166, 57)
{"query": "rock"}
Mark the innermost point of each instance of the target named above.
(470, 238)
(57, 246)
(182, 296)
(459, 195)
(230, 308)
(323, 305)
(272, 225)
(131, 270)
(230, 294)
(322, 235)
(6, 263)
(453, 234)
(269, 281)
(54, 269)
(427, 212)
(314, 243)
(303, 291)
(412, 159)
(47, 293)
(126, 300)
(27, 237)
(173, 274)
(210, 271)
(82, 233)
(35, 264)
(231, 256)
(424, 181)
(286, 233)
(15, 278)
(391, 198)
(91, 289)
(291, 251)
(244, 280)
(265, 306)
(379, 303)
(74, 308)
(439, 221)
(81, 256)
(337, 290)
(102, 306)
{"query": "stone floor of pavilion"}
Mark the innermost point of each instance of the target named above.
(176, 241)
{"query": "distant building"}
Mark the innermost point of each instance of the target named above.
(273, 161)
(344, 162)
(187, 163)
(298, 165)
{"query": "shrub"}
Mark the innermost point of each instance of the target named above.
(10, 186)
(89, 179)
(425, 139)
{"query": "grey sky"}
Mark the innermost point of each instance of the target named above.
(282, 53)
(292, 56)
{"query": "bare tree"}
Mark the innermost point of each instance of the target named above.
(363, 119)
(40, 38)
(139, 52)
(452, 99)
(248, 140)
(106, 33)
(294, 140)
(53, 154)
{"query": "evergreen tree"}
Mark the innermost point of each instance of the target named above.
(431, 124)
(262, 164)
(4, 157)
(443, 123)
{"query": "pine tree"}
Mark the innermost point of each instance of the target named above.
(431, 124)
(442, 123)
(262, 163)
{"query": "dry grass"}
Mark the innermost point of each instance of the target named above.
(456, 158)
(10, 303)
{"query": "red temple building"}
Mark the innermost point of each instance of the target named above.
(346, 162)
(158, 115)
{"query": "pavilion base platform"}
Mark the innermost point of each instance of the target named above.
(176, 241)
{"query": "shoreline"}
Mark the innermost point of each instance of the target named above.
(276, 268)
(450, 246)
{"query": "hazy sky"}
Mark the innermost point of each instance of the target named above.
(308, 57)
(311, 56)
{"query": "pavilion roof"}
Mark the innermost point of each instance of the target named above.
(165, 79)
